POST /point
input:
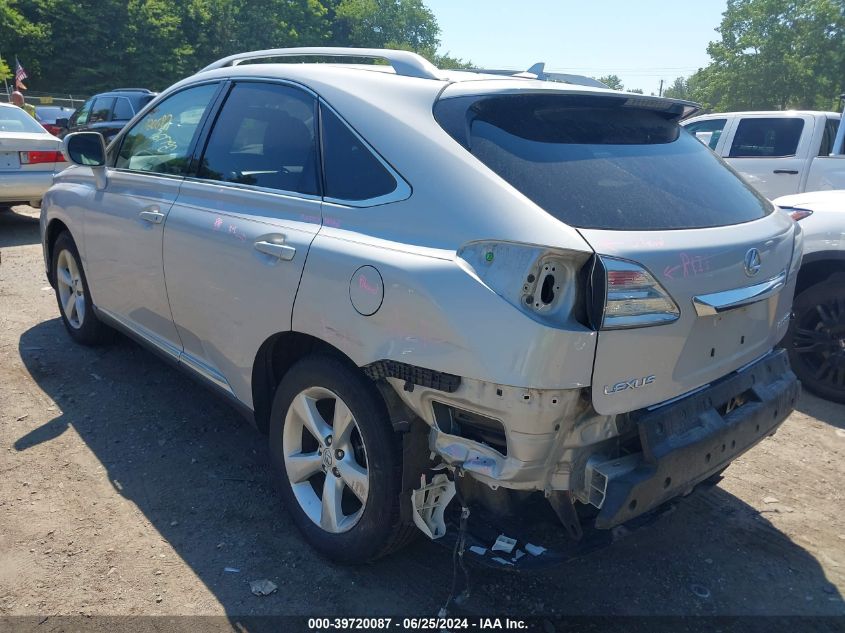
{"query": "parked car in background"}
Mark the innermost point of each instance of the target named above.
(47, 115)
(816, 337)
(108, 112)
(29, 157)
(778, 152)
(415, 280)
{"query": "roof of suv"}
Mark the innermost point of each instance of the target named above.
(406, 69)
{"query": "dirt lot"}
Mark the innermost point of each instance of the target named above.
(125, 488)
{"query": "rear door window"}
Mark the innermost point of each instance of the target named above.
(709, 130)
(830, 128)
(123, 109)
(265, 136)
(594, 163)
(101, 110)
(766, 137)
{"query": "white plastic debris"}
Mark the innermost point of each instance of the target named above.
(534, 550)
(232, 570)
(262, 587)
(429, 502)
(504, 544)
(475, 549)
(502, 561)
(518, 554)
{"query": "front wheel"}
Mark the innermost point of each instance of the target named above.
(73, 296)
(816, 339)
(338, 460)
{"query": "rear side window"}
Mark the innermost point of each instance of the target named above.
(768, 138)
(351, 171)
(101, 110)
(593, 163)
(265, 136)
(708, 131)
(123, 109)
(830, 129)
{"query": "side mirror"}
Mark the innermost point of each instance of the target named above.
(61, 123)
(86, 148)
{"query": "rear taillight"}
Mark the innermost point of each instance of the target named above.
(797, 214)
(632, 296)
(36, 158)
(55, 130)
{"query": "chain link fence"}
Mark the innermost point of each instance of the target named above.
(45, 98)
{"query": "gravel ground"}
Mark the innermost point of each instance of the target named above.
(126, 488)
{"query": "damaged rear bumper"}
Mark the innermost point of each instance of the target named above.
(689, 440)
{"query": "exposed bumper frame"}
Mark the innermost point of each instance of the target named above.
(687, 441)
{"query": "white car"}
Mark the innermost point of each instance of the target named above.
(29, 157)
(548, 289)
(780, 152)
(816, 337)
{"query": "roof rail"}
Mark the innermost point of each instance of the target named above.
(404, 63)
(132, 90)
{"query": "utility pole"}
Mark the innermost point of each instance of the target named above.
(660, 92)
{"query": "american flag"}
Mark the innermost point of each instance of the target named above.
(20, 75)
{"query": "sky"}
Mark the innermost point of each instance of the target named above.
(641, 41)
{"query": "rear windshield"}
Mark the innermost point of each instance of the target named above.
(594, 163)
(13, 119)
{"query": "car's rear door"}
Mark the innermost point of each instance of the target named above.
(124, 223)
(236, 240)
(771, 152)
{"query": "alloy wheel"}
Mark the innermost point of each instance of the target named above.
(819, 339)
(71, 289)
(325, 459)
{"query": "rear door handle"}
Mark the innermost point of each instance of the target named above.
(276, 249)
(786, 171)
(153, 216)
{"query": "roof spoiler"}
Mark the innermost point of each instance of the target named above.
(538, 71)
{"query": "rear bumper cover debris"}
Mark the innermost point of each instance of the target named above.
(687, 441)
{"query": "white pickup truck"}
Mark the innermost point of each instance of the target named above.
(778, 152)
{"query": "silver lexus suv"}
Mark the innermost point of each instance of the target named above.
(440, 294)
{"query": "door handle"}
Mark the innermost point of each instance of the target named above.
(280, 251)
(153, 216)
(786, 171)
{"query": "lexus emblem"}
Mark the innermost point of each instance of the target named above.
(752, 262)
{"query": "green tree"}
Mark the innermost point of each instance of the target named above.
(775, 54)
(612, 81)
(678, 90)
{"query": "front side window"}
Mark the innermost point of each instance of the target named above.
(351, 171)
(264, 136)
(599, 164)
(162, 140)
(101, 110)
(80, 117)
(709, 131)
(767, 137)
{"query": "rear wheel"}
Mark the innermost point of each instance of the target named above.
(816, 339)
(72, 294)
(338, 460)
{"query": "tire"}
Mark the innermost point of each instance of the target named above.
(365, 524)
(815, 340)
(80, 320)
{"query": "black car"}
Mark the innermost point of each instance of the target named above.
(108, 112)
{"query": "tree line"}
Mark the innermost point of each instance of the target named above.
(772, 55)
(86, 46)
